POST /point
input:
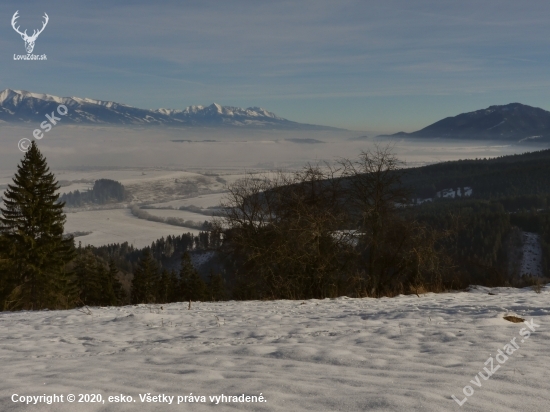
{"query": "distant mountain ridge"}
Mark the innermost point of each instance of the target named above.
(511, 122)
(18, 106)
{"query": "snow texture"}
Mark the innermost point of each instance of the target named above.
(455, 193)
(391, 354)
(448, 193)
(199, 259)
(531, 262)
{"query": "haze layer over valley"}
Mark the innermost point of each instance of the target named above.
(78, 147)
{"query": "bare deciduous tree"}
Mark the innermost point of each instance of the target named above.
(395, 252)
(325, 232)
(282, 232)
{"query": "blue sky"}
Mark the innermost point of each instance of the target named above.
(381, 66)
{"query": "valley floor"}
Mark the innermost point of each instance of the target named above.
(391, 354)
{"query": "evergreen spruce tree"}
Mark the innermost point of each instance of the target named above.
(146, 279)
(192, 287)
(97, 283)
(196, 287)
(168, 287)
(31, 229)
(88, 277)
(106, 295)
(173, 295)
(164, 287)
(115, 285)
(7, 272)
(216, 287)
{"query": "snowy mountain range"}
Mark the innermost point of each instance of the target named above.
(18, 106)
(512, 122)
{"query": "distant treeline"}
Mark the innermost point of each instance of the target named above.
(211, 211)
(104, 191)
(175, 221)
(167, 252)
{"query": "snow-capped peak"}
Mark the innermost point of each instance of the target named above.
(218, 108)
(18, 95)
(24, 106)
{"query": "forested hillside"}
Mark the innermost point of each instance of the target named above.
(166, 251)
(506, 192)
(515, 177)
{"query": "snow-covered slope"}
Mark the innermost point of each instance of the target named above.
(400, 354)
(23, 106)
(531, 261)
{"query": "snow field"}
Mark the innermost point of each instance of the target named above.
(391, 354)
(118, 226)
(125, 176)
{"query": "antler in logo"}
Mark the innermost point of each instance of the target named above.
(29, 40)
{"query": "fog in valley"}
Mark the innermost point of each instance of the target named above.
(105, 147)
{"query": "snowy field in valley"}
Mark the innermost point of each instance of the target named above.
(158, 188)
(391, 354)
(119, 226)
(148, 185)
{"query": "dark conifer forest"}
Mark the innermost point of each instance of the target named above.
(104, 191)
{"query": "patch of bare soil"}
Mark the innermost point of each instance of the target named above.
(514, 319)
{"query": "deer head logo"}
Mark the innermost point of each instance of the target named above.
(29, 40)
